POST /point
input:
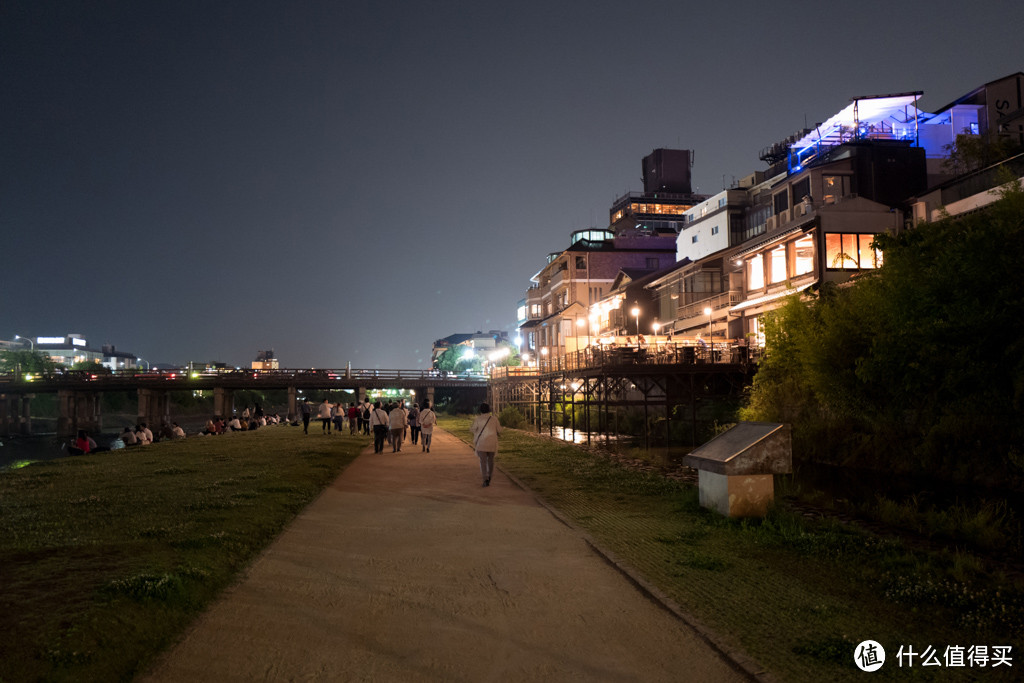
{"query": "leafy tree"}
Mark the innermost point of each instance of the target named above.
(26, 361)
(455, 359)
(920, 366)
(970, 152)
(91, 367)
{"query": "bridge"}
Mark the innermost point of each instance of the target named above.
(79, 392)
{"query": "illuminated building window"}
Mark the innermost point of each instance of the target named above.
(834, 187)
(777, 259)
(755, 273)
(804, 255)
(869, 258)
(851, 252)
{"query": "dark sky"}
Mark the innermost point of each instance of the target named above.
(349, 181)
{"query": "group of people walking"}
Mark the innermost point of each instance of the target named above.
(392, 422)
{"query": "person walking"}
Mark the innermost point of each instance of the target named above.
(485, 429)
(364, 419)
(307, 413)
(324, 415)
(427, 419)
(379, 422)
(414, 425)
(353, 418)
(398, 422)
(339, 417)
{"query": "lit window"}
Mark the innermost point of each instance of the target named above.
(755, 273)
(869, 258)
(804, 255)
(851, 252)
(778, 265)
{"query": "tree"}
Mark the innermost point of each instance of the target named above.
(19, 361)
(91, 367)
(920, 365)
(459, 359)
(971, 152)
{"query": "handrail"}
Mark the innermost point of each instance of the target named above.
(146, 376)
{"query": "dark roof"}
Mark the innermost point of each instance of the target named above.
(453, 339)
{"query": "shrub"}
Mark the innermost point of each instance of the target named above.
(512, 418)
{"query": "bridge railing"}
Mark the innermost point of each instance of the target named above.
(142, 377)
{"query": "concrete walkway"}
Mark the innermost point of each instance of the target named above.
(406, 569)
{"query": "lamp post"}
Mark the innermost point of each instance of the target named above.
(636, 314)
(711, 334)
(656, 326)
(18, 336)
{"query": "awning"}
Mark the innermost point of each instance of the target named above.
(767, 241)
(770, 297)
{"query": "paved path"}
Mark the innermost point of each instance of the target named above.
(406, 569)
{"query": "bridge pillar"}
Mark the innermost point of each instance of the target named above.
(77, 410)
(223, 403)
(9, 411)
(293, 404)
(427, 393)
(26, 414)
(154, 408)
(360, 394)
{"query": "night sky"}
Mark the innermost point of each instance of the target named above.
(349, 181)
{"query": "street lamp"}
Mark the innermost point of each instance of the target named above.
(711, 334)
(18, 336)
(636, 314)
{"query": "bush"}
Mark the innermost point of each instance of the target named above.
(511, 417)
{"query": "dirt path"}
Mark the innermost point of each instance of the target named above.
(406, 569)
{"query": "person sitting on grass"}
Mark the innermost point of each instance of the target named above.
(128, 437)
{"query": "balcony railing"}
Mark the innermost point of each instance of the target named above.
(716, 302)
(688, 352)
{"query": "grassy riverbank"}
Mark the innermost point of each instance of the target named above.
(105, 559)
(797, 594)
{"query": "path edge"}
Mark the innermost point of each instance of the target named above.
(739, 660)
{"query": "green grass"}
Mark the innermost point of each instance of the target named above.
(796, 594)
(105, 559)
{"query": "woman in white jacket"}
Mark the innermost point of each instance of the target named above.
(427, 419)
(485, 430)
